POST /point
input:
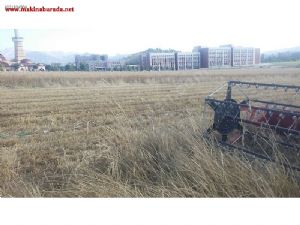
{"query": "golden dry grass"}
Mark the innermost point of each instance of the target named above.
(125, 135)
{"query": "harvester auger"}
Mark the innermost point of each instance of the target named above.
(258, 119)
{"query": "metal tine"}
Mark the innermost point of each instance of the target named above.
(217, 90)
(270, 113)
(249, 106)
(293, 124)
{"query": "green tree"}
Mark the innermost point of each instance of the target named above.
(70, 67)
(56, 66)
(83, 67)
(15, 66)
(35, 67)
(48, 67)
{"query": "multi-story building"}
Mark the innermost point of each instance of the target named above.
(145, 61)
(257, 56)
(115, 65)
(162, 61)
(220, 57)
(94, 62)
(187, 60)
(242, 56)
(170, 61)
(4, 64)
(158, 61)
(197, 48)
(215, 57)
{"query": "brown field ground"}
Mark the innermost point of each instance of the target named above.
(136, 134)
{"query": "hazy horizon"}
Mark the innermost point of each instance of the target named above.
(40, 39)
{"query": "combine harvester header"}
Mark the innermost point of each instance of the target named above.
(257, 118)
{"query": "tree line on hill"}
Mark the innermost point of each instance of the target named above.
(85, 67)
(280, 57)
(67, 67)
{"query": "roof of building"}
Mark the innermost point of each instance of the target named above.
(26, 61)
(2, 58)
(3, 63)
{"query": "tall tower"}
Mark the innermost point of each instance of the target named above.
(19, 51)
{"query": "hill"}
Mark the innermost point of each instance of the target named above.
(43, 57)
(293, 49)
(282, 55)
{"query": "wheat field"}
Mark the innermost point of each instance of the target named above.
(125, 134)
